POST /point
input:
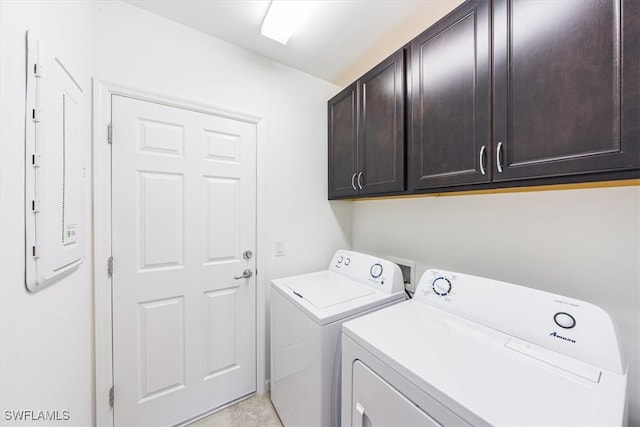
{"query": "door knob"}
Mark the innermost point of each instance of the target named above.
(245, 274)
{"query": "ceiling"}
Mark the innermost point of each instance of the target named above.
(338, 42)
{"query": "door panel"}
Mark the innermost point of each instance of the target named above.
(223, 219)
(450, 100)
(343, 144)
(222, 344)
(161, 347)
(161, 219)
(381, 129)
(560, 84)
(183, 207)
(377, 403)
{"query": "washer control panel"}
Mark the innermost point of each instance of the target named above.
(376, 270)
(377, 273)
(572, 327)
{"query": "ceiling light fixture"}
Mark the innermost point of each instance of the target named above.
(283, 18)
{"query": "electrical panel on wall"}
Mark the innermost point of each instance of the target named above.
(54, 177)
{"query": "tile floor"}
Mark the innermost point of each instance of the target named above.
(255, 411)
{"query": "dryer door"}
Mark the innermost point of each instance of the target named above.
(376, 403)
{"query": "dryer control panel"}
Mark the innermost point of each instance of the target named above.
(377, 273)
(569, 326)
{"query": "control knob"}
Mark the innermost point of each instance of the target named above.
(564, 320)
(376, 270)
(441, 286)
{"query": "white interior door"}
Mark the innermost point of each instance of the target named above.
(184, 212)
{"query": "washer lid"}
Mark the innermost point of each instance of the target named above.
(327, 297)
(322, 293)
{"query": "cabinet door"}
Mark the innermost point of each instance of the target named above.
(343, 150)
(450, 97)
(381, 130)
(566, 91)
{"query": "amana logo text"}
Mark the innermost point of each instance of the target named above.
(555, 334)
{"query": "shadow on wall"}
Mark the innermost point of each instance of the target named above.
(342, 212)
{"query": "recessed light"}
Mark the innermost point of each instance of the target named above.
(283, 18)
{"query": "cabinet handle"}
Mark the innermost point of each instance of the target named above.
(353, 183)
(482, 160)
(499, 156)
(360, 180)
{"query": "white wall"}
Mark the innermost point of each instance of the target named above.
(579, 243)
(46, 338)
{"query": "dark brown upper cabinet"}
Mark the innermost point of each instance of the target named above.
(343, 143)
(499, 94)
(366, 133)
(450, 100)
(566, 87)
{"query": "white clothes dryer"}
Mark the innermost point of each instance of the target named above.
(307, 312)
(473, 351)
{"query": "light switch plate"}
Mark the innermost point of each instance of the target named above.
(279, 248)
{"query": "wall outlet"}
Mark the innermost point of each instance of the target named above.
(408, 269)
(279, 248)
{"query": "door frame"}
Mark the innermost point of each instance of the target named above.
(101, 230)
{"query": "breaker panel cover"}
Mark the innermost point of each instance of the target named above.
(54, 178)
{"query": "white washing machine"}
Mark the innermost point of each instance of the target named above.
(473, 351)
(307, 312)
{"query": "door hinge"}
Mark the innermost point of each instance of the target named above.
(111, 397)
(110, 133)
(110, 266)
